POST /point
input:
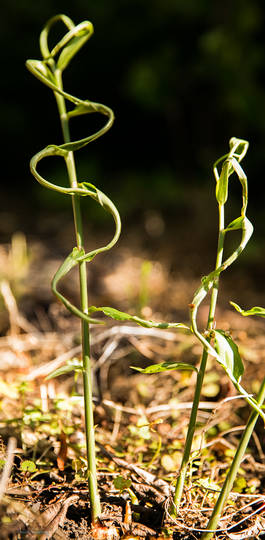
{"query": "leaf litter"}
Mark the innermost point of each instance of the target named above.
(141, 422)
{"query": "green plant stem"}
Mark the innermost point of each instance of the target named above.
(200, 376)
(87, 368)
(231, 475)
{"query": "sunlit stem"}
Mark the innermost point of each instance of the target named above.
(231, 475)
(200, 376)
(87, 369)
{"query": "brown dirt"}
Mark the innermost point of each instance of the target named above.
(141, 419)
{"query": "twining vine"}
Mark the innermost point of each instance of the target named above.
(48, 71)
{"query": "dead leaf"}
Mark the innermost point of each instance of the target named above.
(100, 532)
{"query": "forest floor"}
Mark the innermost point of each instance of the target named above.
(141, 420)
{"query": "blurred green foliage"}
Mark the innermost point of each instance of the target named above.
(182, 77)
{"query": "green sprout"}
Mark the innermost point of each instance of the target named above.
(49, 71)
(224, 349)
(216, 342)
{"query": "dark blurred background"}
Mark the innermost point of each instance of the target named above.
(181, 76)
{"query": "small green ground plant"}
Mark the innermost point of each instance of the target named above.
(215, 342)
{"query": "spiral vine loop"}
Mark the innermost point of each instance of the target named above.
(48, 71)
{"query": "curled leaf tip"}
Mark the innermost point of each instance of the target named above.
(256, 310)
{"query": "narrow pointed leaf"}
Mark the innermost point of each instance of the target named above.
(222, 184)
(69, 51)
(61, 371)
(165, 366)
(236, 224)
(253, 311)
(84, 32)
(74, 365)
(228, 355)
(84, 108)
(122, 316)
(70, 262)
(229, 358)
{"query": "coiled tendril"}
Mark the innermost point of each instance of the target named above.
(49, 71)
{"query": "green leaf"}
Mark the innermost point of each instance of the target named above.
(236, 224)
(74, 365)
(228, 355)
(82, 33)
(122, 316)
(165, 366)
(222, 183)
(121, 483)
(253, 311)
(28, 466)
(70, 262)
(69, 51)
(83, 108)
